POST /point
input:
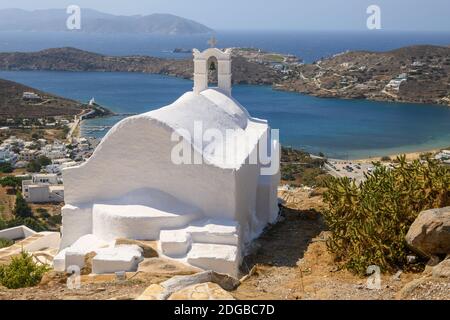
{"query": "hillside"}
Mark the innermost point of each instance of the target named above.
(417, 74)
(92, 21)
(70, 59)
(423, 74)
(13, 106)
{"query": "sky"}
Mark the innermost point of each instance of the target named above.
(411, 15)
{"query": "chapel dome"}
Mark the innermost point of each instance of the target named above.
(213, 108)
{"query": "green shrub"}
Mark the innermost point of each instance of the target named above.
(11, 182)
(21, 272)
(369, 221)
(31, 223)
(22, 209)
(5, 243)
(6, 167)
(55, 220)
(43, 213)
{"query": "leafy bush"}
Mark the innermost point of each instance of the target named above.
(36, 165)
(5, 243)
(6, 167)
(11, 182)
(21, 272)
(22, 209)
(298, 168)
(369, 221)
(55, 220)
(31, 223)
(43, 213)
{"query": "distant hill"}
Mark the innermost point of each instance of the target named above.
(419, 74)
(13, 106)
(92, 21)
(422, 74)
(71, 59)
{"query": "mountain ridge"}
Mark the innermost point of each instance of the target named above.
(93, 21)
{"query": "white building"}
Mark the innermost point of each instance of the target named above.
(53, 151)
(57, 166)
(6, 155)
(151, 179)
(28, 155)
(31, 96)
(43, 188)
(444, 155)
(395, 83)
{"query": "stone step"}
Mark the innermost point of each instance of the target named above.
(109, 258)
(214, 232)
(177, 243)
(120, 258)
(218, 257)
(74, 255)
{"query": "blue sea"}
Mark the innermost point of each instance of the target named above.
(339, 128)
(308, 45)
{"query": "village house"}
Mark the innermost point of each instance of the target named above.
(56, 150)
(30, 96)
(43, 188)
(28, 155)
(6, 155)
(395, 83)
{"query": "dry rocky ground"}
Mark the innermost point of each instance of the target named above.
(13, 106)
(289, 261)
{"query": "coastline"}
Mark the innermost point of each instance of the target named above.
(356, 75)
(410, 156)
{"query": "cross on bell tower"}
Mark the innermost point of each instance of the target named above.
(212, 42)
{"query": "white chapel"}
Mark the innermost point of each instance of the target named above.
(156, 176)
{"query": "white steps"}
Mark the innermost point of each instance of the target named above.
(175, 243)
(109, 258)
(116, 259)
(207, 244)
(217, 257)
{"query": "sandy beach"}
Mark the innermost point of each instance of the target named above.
(410, 156)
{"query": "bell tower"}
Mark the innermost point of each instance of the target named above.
(201, 69)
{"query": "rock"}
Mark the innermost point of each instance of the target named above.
(177, 283)
(167, 288)
(52, 278)
(148, 247)
(433, 261)
(408, 288)
(166, 267)
(202, 291)
(87, 269)
(154, 292)
(430, 233)
(98, 278)
(442, 270)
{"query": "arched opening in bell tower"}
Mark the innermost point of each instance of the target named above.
(212, 66)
